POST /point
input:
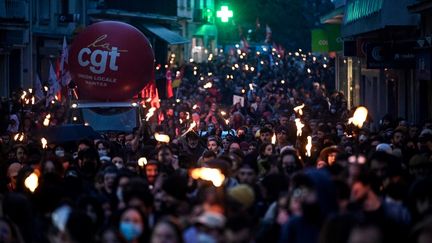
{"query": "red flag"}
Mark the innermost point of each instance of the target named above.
(169, 88)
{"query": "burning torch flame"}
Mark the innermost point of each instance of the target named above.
(309, 146)
(142, 161)
(299, 126)
(359, 117)
(162, 138)
(19, 137)
(194, 106)
(227, 121)
(150, 113)
(273, 139)
(192, 126)
(47, 120)
(23, 95)
(208, 174)
(299, 109)
(223, 113)
(32, 182)
(44, 143)
(208, 85)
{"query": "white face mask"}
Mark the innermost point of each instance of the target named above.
(59, 153)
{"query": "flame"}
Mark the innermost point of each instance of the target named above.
(208, 85)
(359, 116)
(187, 115)
(227, 121)
(308, 146)
(195, 106)
(150, 113)
(19, 137)
(32, 182)
(299, 109)
(142, 161)
(148, 99)
(299, 126)
(24, 93)
(192, 126)
(223, 113)
(162, 138)
(208, 174)
(47, 120)
(44, 143)
(273, 139)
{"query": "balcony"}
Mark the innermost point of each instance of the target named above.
(14, 9)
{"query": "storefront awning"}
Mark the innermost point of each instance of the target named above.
(362, 16)
(165, 34)
(206, 30)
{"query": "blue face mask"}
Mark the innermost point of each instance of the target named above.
(130, 231)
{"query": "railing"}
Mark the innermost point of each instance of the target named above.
(14, 9)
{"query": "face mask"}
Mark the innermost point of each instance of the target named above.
(59, 153)
(130, 230)
(102, 152)
(205, 238)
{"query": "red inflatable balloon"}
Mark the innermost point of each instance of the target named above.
(110, 61)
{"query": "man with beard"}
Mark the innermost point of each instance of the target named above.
(168, 163)
(193, 146)
(367, 204)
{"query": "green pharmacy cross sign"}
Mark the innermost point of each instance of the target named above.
(224, 14)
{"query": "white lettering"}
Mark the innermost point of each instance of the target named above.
(98, 59)
(80, 57)
(101, 64)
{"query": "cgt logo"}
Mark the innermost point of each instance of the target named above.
(102, 55)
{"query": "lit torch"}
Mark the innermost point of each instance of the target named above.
(208, 85)
(299, 126)
(359, 117)
(273, 139)
(308, 146)
(32, 182)
(299, 109)
(163, 138)
(44, 143)
(150, 113)
(46, 121)
(208, 174)
(142, 161)
(192, 126)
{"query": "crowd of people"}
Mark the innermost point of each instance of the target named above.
(292, 168)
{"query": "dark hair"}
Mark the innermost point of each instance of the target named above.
(266, 130)
(263, 147)
(138, 188)
(174, 225)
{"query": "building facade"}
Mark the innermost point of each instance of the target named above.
(32, 32)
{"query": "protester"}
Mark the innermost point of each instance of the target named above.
(279, 163)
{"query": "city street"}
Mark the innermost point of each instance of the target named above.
(210, 121)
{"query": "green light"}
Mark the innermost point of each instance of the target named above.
(224, 14)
